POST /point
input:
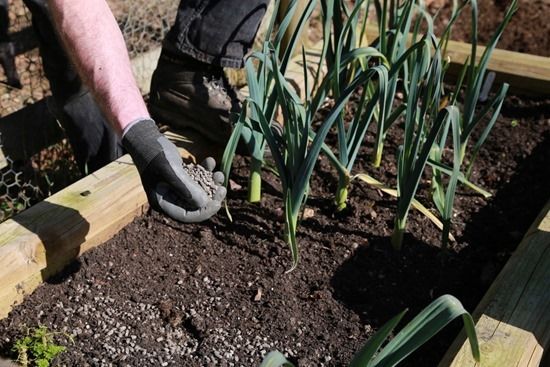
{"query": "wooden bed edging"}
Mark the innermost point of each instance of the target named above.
(43, 239)
(525, 73)
(513, 318)
(40, 241)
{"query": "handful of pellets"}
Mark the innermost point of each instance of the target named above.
(201, 176)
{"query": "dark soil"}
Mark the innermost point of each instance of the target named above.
(163, 293)
(527, 32)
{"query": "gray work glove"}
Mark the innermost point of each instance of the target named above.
(168, 187)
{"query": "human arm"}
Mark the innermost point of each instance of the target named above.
(95, 44)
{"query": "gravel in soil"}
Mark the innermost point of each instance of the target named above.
(203, 177)
(163, 293)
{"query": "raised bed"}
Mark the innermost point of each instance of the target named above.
(161, 292)
(184, 276)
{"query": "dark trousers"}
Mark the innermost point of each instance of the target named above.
(217, 32)
(93, 140)
(7, 50)
(4, 21)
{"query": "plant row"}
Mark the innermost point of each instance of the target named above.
(400, 81)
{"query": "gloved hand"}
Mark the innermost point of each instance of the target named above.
(168, 187)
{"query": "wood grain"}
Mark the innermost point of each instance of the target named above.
(513, 318)
(524, 72)
(43, 239)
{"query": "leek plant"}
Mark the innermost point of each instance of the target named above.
(444, 198)
(293, 153)
(423, 123)
(417, 332)
(475, 76)
(399, 26)
(471, 117)
(261, 82)
(343, 43)
(395, 23)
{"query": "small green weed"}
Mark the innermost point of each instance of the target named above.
(37, 348)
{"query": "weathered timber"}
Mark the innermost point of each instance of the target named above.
(529, 74)
(525, 73)
(513, 318)
(45, 238)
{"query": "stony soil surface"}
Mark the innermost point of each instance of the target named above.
(162, 293)
(216, 294)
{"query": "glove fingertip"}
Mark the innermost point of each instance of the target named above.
(218, 177)
(220, 194)
(209, 164)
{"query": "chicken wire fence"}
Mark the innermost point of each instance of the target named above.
(16, 192)
(144, 24)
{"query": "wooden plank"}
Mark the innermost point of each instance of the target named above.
(513, 318)
(524, 72)
(43, 239)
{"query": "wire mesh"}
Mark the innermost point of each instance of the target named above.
(144, 24)
(16, 193)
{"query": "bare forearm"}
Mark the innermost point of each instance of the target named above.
(95, 44)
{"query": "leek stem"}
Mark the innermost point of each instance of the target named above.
(342, 192)
(398, 233)
(377, 159)
(445, 235)
(255, 181)
(463, 152)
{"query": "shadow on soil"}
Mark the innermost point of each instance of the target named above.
(62, 230)
(377, 283)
